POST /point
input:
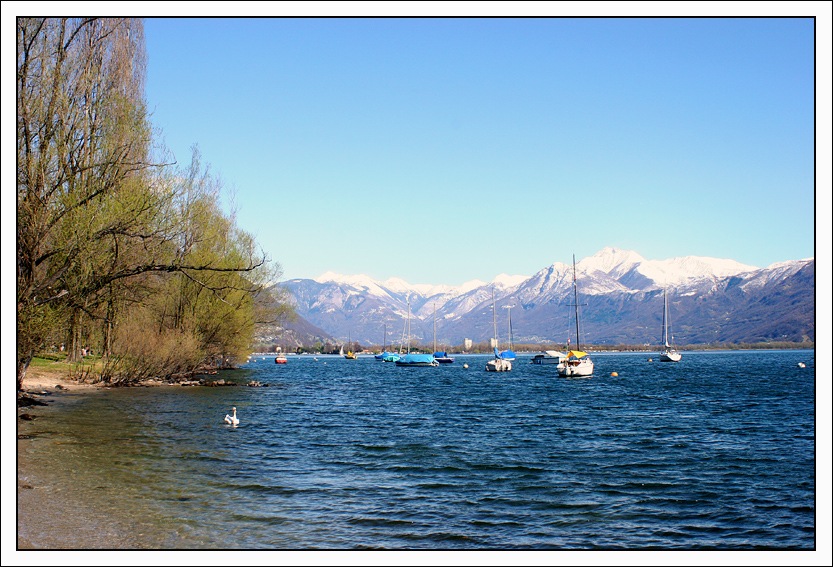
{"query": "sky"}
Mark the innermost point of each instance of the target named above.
(443, 150)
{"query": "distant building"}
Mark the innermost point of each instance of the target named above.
(467, 344)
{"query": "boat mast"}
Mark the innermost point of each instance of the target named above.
(665, 316)
(409, 327)
(435, 327)
(384, 337)
(510, 327)
(575, 293)
(494, 318)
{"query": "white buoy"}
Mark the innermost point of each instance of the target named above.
(802, 365)
(232, 419)
(465, 365)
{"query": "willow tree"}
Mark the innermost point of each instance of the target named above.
(81, 134)
(99, 223)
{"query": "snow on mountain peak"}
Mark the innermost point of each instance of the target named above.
(329, 276)
(675, 271)
(788, 263)
(504, 281)
(468, 286)
(610, 260)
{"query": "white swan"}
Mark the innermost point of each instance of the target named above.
(232, 419)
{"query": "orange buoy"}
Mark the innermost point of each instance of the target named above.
(614, 374)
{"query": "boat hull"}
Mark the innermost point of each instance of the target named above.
(545, 360)
(417, 360)
(582, 368)
(670, 356)
(280, 360)
(498, 365)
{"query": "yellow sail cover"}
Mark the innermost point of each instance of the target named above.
(576, 353)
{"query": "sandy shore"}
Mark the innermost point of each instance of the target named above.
(38, 380)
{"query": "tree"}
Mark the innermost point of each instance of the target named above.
(101, 227)
(81, 132)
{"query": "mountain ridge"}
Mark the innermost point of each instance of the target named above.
(620, 289)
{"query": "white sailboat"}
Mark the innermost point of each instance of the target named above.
(499, 364)
(577, 363)
(441, 357)
(668, 354)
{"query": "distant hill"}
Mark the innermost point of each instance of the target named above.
(710, 300)
(293, 334)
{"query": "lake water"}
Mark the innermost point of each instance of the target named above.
(714, 452)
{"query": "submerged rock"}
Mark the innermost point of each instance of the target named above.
(25, 401)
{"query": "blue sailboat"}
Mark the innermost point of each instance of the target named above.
(415, 359)
(386, 356)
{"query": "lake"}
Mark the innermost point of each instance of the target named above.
(716, 451)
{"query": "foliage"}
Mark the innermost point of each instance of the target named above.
(115, 249)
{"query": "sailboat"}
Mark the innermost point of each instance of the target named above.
(349, 354)
(668, 354)
(441, 357)
(509, 354)
(415, 359)
(385, 355)
(577, 363)
(499, 364)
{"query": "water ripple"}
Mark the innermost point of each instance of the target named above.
(714, 452)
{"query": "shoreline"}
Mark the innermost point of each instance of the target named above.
(50, 515)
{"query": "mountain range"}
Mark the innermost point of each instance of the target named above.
(620, 293)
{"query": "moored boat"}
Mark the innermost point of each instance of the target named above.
(548, 357)
(350, 355)
(414, 359)
(385, 355)
(577, 363)
(668, 354)
(441, 357)
(499, 363)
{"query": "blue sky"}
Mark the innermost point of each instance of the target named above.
(443, 150)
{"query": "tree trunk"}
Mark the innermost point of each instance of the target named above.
(22, 367)
(74, 339)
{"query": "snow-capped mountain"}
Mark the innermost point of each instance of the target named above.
(620, 292)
